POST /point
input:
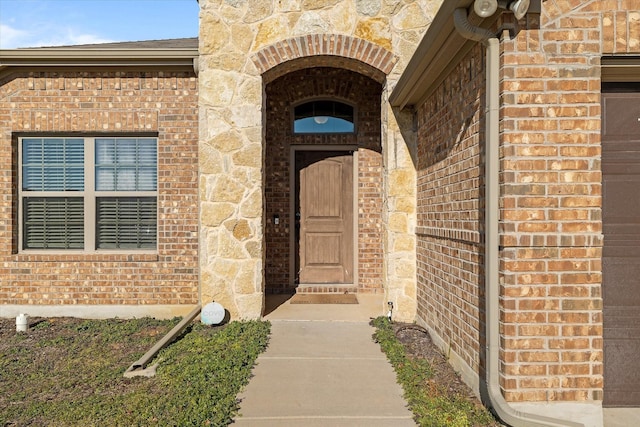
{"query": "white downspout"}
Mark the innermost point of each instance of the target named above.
(491, 256)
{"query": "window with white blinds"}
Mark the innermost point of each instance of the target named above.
(53, 223)
(88, 193)
(126, 222)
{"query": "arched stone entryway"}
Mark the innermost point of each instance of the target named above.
(329, 67)
(237, 66)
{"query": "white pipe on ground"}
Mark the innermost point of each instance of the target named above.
(22, 322)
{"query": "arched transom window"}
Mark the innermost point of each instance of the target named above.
(323, 117)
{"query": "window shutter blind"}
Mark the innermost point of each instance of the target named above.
(126, 164)
(53, 223)
(53, 164)
(126, 222)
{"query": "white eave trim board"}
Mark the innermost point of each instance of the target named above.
(95, 57)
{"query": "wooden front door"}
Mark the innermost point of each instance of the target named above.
(621, 252)
(324, 183)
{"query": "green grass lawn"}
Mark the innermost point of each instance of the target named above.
(69, 372)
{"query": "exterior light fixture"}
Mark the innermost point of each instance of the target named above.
(519, 8)
(485, 8)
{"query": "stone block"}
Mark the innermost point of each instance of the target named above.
(318, 4)
(247, 281)
(241, 115)
(212, 288)
(410, 17)
(225, 84)
(250, 92)
(226, 61)
(401, 182)
(257, 10)
(242, 36)
(227, 142)
(368, 7)
(213, 214)
(210, 161)
(272, 30)
(240, 229)
(249, 156)
(230, 247)
(214, 34)
(398, 222)
(250, 306)
(288, 6)
(404, 243)
(225, 268)
(254, 249)
(342, 17)
(251, 207)
(405, 204)
(225, 189)
(404, 268)
(375, 30)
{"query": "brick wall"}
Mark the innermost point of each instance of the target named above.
(450, 220)
(326, 83)
(105, 102)
(550, 206)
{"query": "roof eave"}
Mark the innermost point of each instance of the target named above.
(440, 47)
(71, 57)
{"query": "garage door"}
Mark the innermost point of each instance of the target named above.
(621, 254)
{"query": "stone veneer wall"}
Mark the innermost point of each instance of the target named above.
(242, 41)
(105, 102)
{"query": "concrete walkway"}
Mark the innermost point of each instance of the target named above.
(322, 368)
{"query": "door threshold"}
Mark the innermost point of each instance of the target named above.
(327, 288)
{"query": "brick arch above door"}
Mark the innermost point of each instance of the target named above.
(333, 50)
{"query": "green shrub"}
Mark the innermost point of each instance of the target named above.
(430, 404)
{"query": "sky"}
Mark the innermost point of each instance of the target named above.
(36, 23)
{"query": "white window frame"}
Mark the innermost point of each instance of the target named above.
(89, 194)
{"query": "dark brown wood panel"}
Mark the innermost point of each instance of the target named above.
(326, 217)
(621, 253)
